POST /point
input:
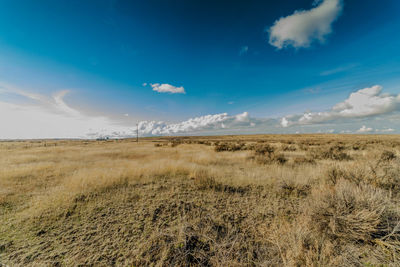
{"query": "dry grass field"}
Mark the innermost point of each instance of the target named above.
(262, 200)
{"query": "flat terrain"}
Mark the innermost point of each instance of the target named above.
(261, 200)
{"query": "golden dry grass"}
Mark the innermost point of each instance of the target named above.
(264, 200)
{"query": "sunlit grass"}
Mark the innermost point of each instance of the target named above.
(314, 200)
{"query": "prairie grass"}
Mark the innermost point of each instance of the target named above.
(264, 200)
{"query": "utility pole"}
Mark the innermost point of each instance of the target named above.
(137, 132)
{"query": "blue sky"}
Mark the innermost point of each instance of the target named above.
(198, 67)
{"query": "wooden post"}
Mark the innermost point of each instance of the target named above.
(137, 133)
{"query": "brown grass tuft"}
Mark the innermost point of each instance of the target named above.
(388, 155)
(350, 212)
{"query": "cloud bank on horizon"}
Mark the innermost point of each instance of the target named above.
(363, 103)
(52, 117)
(207, 123)
(304, 27)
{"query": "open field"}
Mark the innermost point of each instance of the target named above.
(262, 200)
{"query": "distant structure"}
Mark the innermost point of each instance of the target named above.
(102, 138)
(137, 132)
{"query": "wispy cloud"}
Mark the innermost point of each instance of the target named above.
(166, 88)
(338, 70)
(304, 27)
(45, 117)
(312, 90)
(243, 50)
(61, 105)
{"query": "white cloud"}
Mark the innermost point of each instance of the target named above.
(167, 88)
(243, 117)
(362, 103)
(284, 122)
(364, 129)
(208, 122)
(367, 102)
(305, 26)
(386, 130)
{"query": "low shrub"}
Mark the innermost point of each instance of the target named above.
(334, 153)
(271, 158)
(352, 212)
(289, 147)
(303, 160)
(203, 179)
(359, 146)
(263, 149)
(291, 187)
(175, 143)
(387, 155)
(355, 176)
(225, 146)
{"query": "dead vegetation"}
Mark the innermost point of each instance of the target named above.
(312, 200)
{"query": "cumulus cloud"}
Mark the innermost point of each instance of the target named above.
(364, 129)
(366, 102)
(303, 27)
(284, 122)
(167, 88)
(202, 123)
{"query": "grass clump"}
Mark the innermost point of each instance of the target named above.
(351, 212)
(267, 154)
(388, 155)
(228, 146)
(335, 152)
(303, 160)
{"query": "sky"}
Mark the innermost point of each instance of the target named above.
(97, 68)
